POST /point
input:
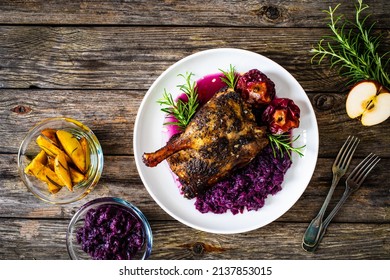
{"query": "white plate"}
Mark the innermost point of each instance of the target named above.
(148, 137)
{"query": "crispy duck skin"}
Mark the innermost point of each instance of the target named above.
(222, 137)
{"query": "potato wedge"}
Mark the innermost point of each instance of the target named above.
(76, 176)
(73, 148)
(49, 175)
(87, 152)
(50, 149)
(45, 174)
(62, 170)
(51, 134)
(53, 188)
(50, 163)
(32, 166)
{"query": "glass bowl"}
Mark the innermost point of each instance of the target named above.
(109, 228)
(29, 149)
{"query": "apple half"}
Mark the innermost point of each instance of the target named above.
(370, 101)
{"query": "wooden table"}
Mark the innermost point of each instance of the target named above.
(95, 60)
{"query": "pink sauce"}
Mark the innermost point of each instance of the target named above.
(207, 87)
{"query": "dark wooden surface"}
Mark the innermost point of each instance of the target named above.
(94, 61)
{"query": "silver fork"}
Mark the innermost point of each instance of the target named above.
(353, 182)
(339, 168)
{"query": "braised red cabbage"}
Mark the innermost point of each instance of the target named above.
(248, 187)
(110, 233)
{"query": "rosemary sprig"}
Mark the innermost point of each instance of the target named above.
(352, 48)
(230, 77)
(283, 143)
(181, 110)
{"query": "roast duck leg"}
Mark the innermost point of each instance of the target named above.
(221, 137)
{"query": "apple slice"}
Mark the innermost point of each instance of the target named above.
(378, 111)
(359, 97)
(370, 101)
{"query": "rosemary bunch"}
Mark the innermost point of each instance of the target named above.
(181, 110)
(352, 48)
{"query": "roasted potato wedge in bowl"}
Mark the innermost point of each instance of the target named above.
(60, 160)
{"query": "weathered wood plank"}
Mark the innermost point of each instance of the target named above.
(111, 115)
(120, 179)
(119, 58)
(210, 13)
(95, 60)
(45, 239)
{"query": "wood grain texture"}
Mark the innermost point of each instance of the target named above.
(95, 60)
(110, 114)
(252, 13)
(39, 239)
(119, 58)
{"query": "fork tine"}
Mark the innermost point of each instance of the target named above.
(369, 168)
(362, 169)
(345, 155)
(359, 166)
(351, 151)
(346, 143)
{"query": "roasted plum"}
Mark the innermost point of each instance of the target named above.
(256, 88)
(281, 115)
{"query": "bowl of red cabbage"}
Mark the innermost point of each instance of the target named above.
(109, 228)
